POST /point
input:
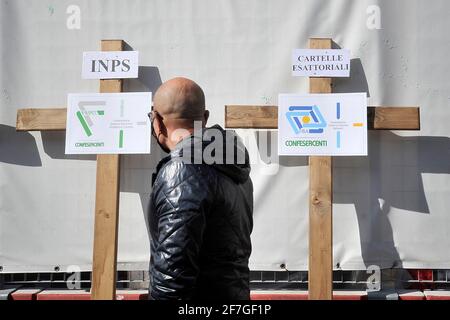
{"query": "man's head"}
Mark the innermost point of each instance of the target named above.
(177, 104)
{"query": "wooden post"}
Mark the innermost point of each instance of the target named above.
(320, 275)
(104, 267)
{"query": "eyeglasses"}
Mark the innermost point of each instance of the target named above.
(152, 115)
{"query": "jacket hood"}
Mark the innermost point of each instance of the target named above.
(222, 149)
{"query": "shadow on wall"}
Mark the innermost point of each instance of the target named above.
(357, 81)
(54, 146)
(390, 177)
(136, 170)
(149, 80)
(18, 147)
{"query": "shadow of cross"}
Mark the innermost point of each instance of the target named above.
(104, 264)
(320, 269)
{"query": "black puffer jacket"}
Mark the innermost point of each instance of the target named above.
(201, 219)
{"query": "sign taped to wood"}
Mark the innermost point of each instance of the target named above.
(322, 124)
(110, 64)
(321, 63)
(108, 123)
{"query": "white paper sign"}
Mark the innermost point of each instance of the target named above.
(108, 123)
(322, 124)
(110, 64)
(321, 63)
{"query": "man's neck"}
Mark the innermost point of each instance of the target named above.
(179, 135)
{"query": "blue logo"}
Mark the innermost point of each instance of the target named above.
(306, 119)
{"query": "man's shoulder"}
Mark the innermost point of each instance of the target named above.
(175, 171)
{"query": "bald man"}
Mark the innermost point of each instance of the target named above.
(201, 203)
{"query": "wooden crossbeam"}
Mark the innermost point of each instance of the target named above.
(236, 117)
(393, 118)
(266, 117)
(50, 119)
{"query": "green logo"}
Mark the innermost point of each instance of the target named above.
(306, 143)
(89, 144)
(84, 116)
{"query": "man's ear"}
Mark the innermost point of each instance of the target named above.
(205, 117)
(158, 125)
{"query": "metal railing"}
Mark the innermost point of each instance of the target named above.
(264, 280)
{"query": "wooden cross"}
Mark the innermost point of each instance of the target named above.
(104, 264)
(320, 275)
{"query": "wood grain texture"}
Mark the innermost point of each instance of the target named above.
(104, 268)
(320, 275)
(320, 270)
(236, 117)
(106, 228)
(266, 117)
(255, 117)
(393, 118)
(41, 119)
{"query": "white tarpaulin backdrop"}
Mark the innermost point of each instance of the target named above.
(390, 209)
